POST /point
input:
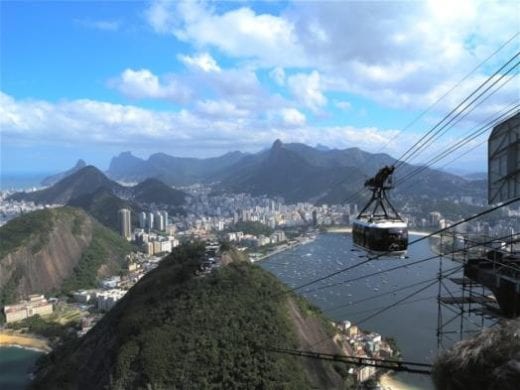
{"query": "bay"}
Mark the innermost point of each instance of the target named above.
(413, 323)
(15, 366)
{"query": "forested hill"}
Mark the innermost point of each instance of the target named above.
(56, 249)
(175, 330)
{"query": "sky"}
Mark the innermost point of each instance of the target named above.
(93, 79)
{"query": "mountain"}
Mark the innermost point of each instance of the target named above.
(174, 330)
(155, 191)
(85, 181)
(286, 171)
(476, 176)
(55, 249)
(49, 181)
(103, 205)
(169, 169)
(299, 172)
(91, 190)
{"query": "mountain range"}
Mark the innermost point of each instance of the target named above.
(89, 182)
(294, 171)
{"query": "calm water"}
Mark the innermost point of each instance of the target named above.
(15, 366)
(21, 180)
(412, 324)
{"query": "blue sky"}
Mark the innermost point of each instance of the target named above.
(92, 79)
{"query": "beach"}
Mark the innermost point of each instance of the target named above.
(390, 383)
(10, 338)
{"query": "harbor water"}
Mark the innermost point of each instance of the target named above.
(412, 323)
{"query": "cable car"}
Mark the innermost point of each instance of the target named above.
(379, 229)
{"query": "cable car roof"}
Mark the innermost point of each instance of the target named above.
(382, 223)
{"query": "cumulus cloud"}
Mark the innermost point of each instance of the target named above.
(202, 61)
(211, 124)
(307, 90)
(394, 53)
(143, 84)
(239, 32)
(220, 109)
(293, 117)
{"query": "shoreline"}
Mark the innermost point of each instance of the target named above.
(388, 382)
(26, 341)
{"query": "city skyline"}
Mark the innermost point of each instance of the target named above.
(201, 79)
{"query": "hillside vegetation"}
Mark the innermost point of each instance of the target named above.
(177, 331)
(53, 250)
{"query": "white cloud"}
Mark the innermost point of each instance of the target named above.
(293, 117)
(143, 84)
(220, 109)
(396, 53)
(203, 61)
(239, 32)
(307, 89)
(101, 123)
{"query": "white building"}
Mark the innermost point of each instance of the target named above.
(106, 300)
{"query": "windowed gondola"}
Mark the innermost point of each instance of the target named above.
(379, 228)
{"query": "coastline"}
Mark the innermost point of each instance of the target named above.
(388, 382)
(28, 341)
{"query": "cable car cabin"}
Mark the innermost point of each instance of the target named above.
(379, 228)
(381, 237)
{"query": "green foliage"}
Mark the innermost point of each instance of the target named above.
(8, 290)
(105, 245)
(38, 325)
(250, 227)
(77, 224)
(225, 246)
(174, 330)
(31, 228)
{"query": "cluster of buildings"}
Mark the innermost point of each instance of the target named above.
(10, 209)
(363, 345)
(251, 240)
(103, 300)
(35, 304)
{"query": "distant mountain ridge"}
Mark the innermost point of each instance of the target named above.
(294, 171)
(89, 181)
(51, 180)
(169, 169)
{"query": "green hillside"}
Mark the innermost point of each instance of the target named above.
(105, 248)
(28, 229)
(174, 330)
(53, 250)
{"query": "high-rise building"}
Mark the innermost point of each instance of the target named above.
(159, 221)
(149, 221)
(315, 217)
(125, 224)
(142, 220)
(165, 216)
